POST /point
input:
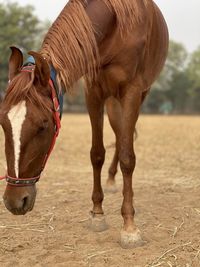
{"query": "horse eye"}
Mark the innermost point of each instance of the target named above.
(43, 127)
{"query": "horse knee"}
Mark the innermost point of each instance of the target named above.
(97, 157)
(127, 162)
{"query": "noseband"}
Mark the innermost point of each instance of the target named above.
(57, 112)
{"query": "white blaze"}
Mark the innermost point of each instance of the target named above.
(17, 116)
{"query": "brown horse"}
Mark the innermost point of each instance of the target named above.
(120, 47)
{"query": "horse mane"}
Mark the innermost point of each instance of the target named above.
(22, 88)
(70, 44)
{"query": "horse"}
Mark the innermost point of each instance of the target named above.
(120, 47)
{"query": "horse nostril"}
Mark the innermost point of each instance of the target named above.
(24, 202)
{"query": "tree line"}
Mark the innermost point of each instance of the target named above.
(176, 91)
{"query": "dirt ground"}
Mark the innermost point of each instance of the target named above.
(167, 201)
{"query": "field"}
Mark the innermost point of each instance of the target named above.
(167, 201)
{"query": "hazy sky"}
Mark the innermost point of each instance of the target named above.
(182, 16)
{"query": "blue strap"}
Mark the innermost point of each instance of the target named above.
(30, 60)
(60, 94)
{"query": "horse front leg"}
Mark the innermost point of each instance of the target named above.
(97, 154)
(130, 102)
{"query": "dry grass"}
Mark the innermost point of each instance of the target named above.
(167, 201)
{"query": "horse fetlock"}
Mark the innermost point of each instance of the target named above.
(97, 197)
(112, 172)
(97, 222)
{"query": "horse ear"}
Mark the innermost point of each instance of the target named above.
(42, 69)
(15, 62)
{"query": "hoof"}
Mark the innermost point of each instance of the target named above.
(97, 222)
(111, 188)
(131, 239)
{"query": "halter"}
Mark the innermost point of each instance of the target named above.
(57, 113)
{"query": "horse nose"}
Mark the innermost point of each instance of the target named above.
(19, 206)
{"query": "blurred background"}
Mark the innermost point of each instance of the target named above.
(177, 91)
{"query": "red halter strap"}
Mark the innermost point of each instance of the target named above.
(56, 119)
(14, 181)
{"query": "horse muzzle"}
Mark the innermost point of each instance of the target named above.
(19, 200)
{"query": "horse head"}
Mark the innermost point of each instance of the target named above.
(27, 117)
